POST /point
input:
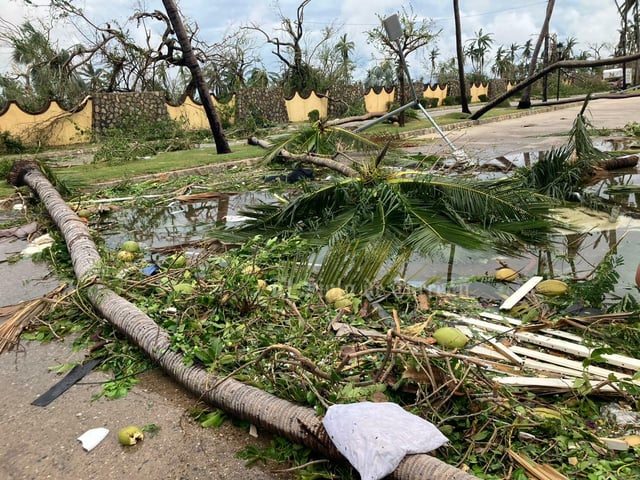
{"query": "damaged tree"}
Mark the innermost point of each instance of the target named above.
(191, 62)
(296, 423)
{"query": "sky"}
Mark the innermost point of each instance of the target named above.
(507, 21)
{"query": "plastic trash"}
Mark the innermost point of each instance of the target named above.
(150, 270)
(375, 437)
(91, 438)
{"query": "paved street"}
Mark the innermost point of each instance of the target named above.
(535, 132)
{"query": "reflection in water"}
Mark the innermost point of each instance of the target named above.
(175, 223)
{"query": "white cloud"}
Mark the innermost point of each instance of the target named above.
(507, 21)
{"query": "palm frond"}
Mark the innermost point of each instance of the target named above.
(351, 265)
(321, 139)
(587, 155)
(554, 174)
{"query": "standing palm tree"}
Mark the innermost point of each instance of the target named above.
(344, 48)
(191, 62)
(525, 100)
(501, 63)
(478, 48)
(434, 53)
(47, 71)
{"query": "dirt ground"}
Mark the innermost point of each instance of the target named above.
(41, 442)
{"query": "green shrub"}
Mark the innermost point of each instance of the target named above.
(137, 137)
(5, 168)
(483, 98)
(10, 144)
(429, 102)
(448, 101)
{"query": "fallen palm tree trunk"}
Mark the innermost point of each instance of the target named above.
(319, 160)
(296, 423)
(614, 163)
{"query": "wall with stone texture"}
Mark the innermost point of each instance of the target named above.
(56, 126)
(263, 104)
(109, 109)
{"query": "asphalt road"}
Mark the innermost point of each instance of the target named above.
(532, 131)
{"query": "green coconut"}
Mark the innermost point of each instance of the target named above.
(450, 337)
(175, 261)
(126, 256)
(130, 435)
(334, 294)
(343, 303)
(184, 288)
(130, 246)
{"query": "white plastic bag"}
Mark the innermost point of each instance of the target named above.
(375, 437)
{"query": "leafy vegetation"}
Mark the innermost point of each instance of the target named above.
(136, 137)
(257, 312)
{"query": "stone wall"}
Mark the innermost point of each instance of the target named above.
(263, 104)
(110, 109)
(344, 98)
(497, 88)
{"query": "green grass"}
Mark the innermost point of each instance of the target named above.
(87, 175)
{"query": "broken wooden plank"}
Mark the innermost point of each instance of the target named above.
(520, 293)
(552, 343)
(548, 383)
(549, 331)
(541, 472)
(503, 349)
(539, 367)
(571, 365)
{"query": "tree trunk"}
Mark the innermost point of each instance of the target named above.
(191, 62)
(525, 100)
(296, 423)
(463, 87)
(308, 158)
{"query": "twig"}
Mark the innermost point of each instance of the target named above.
(300, 467)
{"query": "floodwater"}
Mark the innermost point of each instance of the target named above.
(172, 222)
(575, 255)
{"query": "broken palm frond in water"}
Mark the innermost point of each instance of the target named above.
(15, 318)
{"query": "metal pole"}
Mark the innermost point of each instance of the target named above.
(417, 102)
(457, 153)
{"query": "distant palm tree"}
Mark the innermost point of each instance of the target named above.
(501, 63)
(434, 53)
(344, 48)
(525, 99)
(48, 74)
(477, 50)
